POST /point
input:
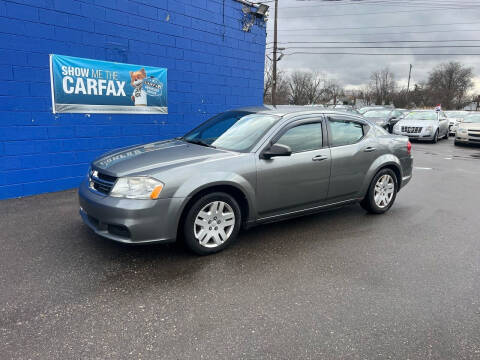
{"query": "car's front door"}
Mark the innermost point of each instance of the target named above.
(442, 124)
(353, 148)
(299, 181)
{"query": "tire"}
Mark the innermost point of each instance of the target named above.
(435, 137)
(204, 230)
(447, 134)
(456, 143)
(379, 207)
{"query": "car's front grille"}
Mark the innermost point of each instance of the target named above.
(101, 182)
(475, 134)
(411, 129)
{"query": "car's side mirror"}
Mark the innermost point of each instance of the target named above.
(277, 150)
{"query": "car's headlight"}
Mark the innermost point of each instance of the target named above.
(462, 131)
(137, 187)
(429, 129)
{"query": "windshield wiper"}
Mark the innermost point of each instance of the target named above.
(198, 142)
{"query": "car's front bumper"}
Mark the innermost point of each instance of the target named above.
(419, 136)
(466, 139)
(130, 220)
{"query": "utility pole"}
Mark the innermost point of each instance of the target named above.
(408, 84)
(274, 67)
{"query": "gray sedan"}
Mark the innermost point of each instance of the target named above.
(427, 125)
(242, 168)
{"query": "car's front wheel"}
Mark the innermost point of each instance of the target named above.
(447, 134)
(381, 193)
(435, 137)
(212, 223)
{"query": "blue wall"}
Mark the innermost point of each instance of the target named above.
(212, 65)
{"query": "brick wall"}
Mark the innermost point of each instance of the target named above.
(212, 65)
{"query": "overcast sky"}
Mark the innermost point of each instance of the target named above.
(376, 20)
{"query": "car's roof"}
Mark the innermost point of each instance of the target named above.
(282, 110)
(423, 110)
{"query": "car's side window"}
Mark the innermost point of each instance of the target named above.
(304, 137)
(345, 132)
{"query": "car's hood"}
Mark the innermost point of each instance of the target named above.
(417, 123)
(156, 156)
(470, 126)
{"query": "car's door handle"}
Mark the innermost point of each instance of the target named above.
(369, 149)
(319, 158)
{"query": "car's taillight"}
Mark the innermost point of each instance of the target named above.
(409, 147)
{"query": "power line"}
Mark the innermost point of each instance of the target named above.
(373, 42)
(380, 54)
(381, 27)
(324, 3)
(392, 33)
(382, 12)
(393, 4)
(385, 47)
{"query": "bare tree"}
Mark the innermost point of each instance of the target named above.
(448, 85)
(282, 85)
(315, 89)
(333, 90)
(267, 81)
(299, 84)
(382, 83)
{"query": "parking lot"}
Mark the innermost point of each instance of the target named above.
(341, 284)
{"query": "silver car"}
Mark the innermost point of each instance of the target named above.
(427, 125)
(242, 168)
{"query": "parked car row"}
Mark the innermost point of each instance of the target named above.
(428, 125)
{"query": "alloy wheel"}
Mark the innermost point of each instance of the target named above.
(384, 190)
(214, 224)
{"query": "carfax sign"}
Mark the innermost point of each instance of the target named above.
(92, 86)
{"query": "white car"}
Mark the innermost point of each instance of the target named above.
(468, 131)
(455, 117)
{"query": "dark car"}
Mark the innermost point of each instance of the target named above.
(242, 168)
(385, 118)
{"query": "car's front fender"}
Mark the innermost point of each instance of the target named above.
(201, 182)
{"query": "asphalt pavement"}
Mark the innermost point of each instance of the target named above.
(336, 285)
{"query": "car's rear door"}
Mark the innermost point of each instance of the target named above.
(353, 147)
(299, 181)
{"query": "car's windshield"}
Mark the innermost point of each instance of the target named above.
(232, 130)
(422, 115)
(376, 113)
(456, 113)
(474, 118)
